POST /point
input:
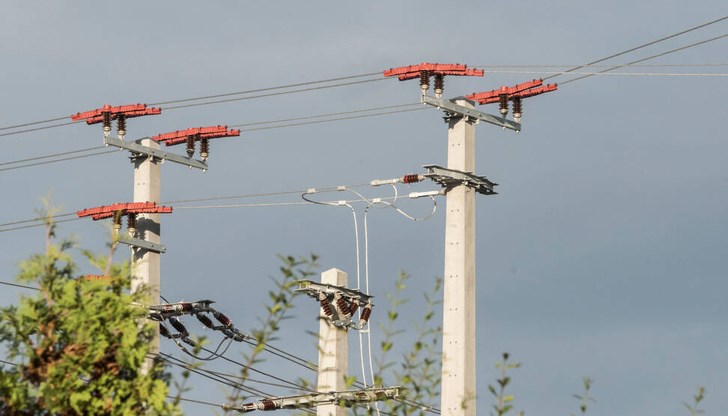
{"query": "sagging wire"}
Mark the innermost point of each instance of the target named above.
(171, 311)
(406, 179)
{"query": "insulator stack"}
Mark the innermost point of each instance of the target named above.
(343, 306)
(411, 178)
(424, 81)
(353, 306)
(190, 146)
(107, 123)
(163, 331)
(517, 109)
(366, 312)
(204, 149)
(117, 220)
(224, 320)
(439, 85)
(268, 404)
(131, 224)
(205, 321)
(503, 100)
(121, 125)
(326, 307)
(178, 326)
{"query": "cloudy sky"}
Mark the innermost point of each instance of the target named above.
(603, 254)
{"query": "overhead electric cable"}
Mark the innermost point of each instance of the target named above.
(631, 74)
(338, 119)
(272, 94)
(70, 152)
(299, 84)
(365, 110)
(641, 46)
(33, 123)
(188, 100)
(193, 401)
(47, 162)
(38, 128)
(368, 110)
(650, 57)
(18, 285)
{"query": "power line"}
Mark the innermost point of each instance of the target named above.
(87, 149)
(193, 401)
(300, 84)
(187, 100)
(18, 285)
(107, 151)
(47, 162)
(38, 128)
(634, 74)
(651, 57)
(644, 45)
(365, 110)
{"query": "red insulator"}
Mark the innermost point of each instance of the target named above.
(224, 320)
(268, 404)
(412, 178)
(185, 306)
(205, 321)
(326, 307)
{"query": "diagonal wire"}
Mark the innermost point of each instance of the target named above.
(644, 45)
(648, 58)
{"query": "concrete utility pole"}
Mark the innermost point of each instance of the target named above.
(458, 331)
(333, 362)
(145, 263)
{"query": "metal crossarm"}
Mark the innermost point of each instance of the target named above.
(339, 303)
(450, 107)
(450, 178)
(343, 398)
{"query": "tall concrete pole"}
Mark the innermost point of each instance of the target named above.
(458, 330)
(145, 264)
(333, 362)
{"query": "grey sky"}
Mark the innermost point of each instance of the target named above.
(603, 254)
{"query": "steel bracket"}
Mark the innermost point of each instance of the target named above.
(450, 107)
(138, 243)
(450, 178)
(137, 148)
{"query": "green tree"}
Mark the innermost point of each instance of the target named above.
(79, 344)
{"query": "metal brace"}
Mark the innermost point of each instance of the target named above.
(136, 242)
(450, 107)
(450, 178)
(137, 148)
